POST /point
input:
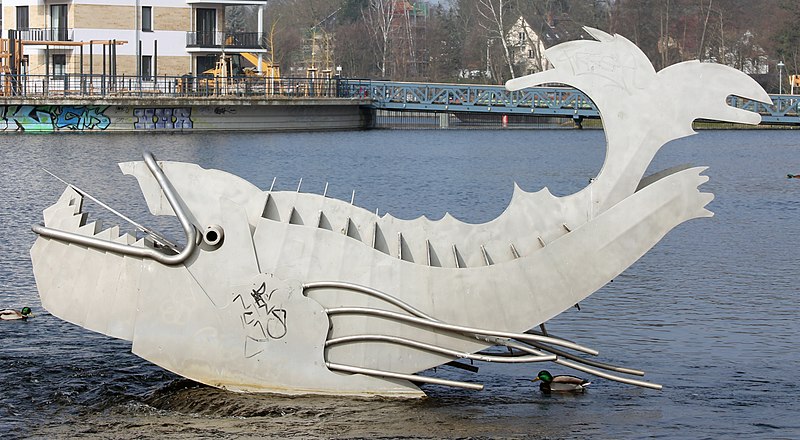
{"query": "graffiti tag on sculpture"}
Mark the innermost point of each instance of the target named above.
(49, 118)
(261, 318)
(163, 118)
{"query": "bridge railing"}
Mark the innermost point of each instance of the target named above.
(472, 98)
(538, 101)
(784, 109)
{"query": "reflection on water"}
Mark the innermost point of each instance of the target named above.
(709, 313)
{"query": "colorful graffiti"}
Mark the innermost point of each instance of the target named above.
(163, 118)
(53, 118)
(49, 118)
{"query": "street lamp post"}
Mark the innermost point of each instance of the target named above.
(780, 77)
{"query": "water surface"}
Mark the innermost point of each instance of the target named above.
(710, 312)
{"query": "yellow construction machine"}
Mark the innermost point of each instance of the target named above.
(227, 77)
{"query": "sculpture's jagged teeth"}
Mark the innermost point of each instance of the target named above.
(67, 215)
(91, 228)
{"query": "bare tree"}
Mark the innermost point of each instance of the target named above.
(494, 22)
(379, 17)
(700, 51)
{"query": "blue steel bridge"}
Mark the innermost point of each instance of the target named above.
(539, 101)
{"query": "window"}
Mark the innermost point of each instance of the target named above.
(530, 53)
(147, 18)
(522, 36)
(147, 67)
(205, 62)
(58, 22)
(59, 64)
(206, 26)
(22, 18)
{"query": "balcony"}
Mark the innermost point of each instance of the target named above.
(32, 34)
(228, 40)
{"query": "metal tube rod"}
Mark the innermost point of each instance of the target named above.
(599, 373)
(369, 291)
(579, 367)
(169, 192)
(457, 328)
(591, 362)
(440, 350)
(408, 377)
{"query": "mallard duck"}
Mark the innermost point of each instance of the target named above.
(561, 384)
(10, 314)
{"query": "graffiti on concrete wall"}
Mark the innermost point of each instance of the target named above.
(163, 118)
(54, 118)
(48, 118)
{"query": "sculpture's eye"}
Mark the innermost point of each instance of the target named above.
(213, 235)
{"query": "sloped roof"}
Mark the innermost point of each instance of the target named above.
(553, 30)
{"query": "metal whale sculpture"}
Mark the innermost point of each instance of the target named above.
(297, 293)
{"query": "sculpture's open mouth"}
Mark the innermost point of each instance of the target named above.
(161, 249)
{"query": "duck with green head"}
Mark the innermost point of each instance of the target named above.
(10, 314)
(561, 384)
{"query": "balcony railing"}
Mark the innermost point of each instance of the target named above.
(33, 34)
(242, 40)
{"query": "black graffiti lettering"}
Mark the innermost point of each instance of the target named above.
(276, 324)
(270, 322)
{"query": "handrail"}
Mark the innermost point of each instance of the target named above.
(135, 251)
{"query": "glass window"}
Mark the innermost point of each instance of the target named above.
(205, 62)
(22, 18)
(58, 22)
(206, 26)
(147, 67)
(59, 64)
(147, 18)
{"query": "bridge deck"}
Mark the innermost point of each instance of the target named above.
(538, 101)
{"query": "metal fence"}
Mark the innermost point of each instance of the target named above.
(99, 86)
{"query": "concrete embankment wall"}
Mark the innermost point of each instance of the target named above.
(184, 115)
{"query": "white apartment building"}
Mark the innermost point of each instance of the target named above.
(127, 37)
